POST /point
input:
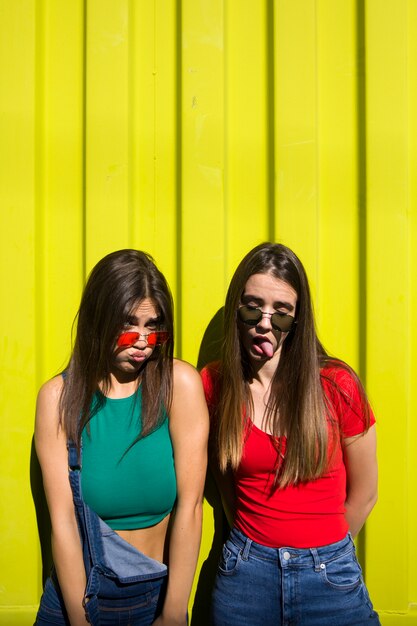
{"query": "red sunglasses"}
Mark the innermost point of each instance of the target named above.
(156, 338)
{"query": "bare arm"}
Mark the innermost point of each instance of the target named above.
(189, 432)
(50, 441)
(362, 478)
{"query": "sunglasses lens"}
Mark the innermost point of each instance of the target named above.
(157, 338)
(282, 322)
(252, 317)
(127, 339)
(162, 336)
(152, 339)
(249, 315)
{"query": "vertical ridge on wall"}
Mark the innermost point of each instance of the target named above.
(178, 189)
(84, 9)
(247, 144)
(296, 133)
(135, 97)
(39, 163)
(411, 288)
(337, 219)
(202, 165)
(270, 113)
(361, 153)
(153, 157)
(107, 128)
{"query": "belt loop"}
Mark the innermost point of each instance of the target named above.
(246, 549)
(316, 559)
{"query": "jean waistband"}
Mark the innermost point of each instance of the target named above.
(289, 556)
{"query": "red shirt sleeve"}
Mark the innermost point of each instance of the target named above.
(342, 390)
(210, 377)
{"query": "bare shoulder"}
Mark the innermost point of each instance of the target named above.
(185, 375)
(188, 408)
(47, 403)
(51, 390)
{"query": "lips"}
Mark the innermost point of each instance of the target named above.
(138, 356)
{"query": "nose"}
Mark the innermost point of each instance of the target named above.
(142, 337)
(265, 321)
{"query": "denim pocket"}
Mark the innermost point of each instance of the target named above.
(230, 559)
(342, 572)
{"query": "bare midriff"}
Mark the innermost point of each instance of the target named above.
(149, 541)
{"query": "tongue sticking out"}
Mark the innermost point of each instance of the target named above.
(265, 348)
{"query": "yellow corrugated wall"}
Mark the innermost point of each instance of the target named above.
(195, 129)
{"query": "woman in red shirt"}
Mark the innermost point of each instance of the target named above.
(294, 455)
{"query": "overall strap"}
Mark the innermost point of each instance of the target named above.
(74, 456)
(74, 476)
(74, 469)
(88, 521)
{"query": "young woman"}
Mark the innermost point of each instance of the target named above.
(121, 437)
(293, 450)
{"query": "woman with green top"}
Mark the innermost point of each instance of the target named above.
(121, 437)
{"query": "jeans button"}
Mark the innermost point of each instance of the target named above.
(286, 556)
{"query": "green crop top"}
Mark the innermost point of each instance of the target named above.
(133, 489)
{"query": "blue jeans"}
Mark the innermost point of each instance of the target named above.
(261, 586)
(124, 586)
(133, 605)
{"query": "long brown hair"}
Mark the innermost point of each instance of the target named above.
(115, 287)
(297, 407)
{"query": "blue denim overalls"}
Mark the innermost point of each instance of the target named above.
(124, 586)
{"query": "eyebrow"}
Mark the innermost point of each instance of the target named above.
(279, 304)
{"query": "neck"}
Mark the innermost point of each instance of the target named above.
(264, 371)
(122, 385)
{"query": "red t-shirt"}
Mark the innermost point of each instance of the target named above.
(307, 515)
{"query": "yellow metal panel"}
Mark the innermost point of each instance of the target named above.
(153, 138)
(246, 131)
(41, 152)
(338, 249)
(19, 551)
(16, 616)
(201, 148)
(200, 175)
(59, 262)
(107, 128)
(194, 130)
(296, 129)
(411, 286)
(388, 296)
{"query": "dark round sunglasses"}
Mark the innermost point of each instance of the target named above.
(251, 316)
